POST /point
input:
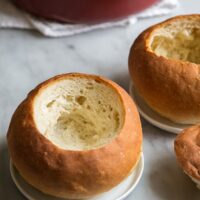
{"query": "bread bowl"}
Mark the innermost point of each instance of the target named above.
(164, 64)
(187, 151)
(75, 136)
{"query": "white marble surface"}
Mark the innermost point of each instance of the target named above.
(27, 58)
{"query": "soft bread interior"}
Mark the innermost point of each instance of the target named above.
(179, 39)
(79, 113)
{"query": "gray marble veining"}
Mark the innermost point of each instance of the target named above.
(27, 58)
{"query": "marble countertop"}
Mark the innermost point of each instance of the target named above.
(27, 58)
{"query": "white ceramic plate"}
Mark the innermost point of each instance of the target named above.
(153, 117)
(120, 192)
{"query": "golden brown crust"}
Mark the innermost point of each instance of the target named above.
(67, 173)
(187, 149)
(170, 87)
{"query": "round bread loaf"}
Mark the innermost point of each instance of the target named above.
(164, 64)
(187, 152)
(75, 136)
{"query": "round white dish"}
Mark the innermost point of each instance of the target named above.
(120, 192)
(153, 117)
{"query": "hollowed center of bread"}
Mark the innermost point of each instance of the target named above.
(179, 40)
(79, 113)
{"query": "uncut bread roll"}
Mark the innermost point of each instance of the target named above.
(164, 64)
(75, 136)
(186, 147)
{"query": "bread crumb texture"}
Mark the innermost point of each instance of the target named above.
(79, 113)
(179, 40)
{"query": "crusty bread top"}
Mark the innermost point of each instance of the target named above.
(187, 148)
(78, 113)
(163, 66)
(77, 173)
(177, 38)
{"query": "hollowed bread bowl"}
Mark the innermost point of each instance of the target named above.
(187, 151)
(164, 64)
(75, 136)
